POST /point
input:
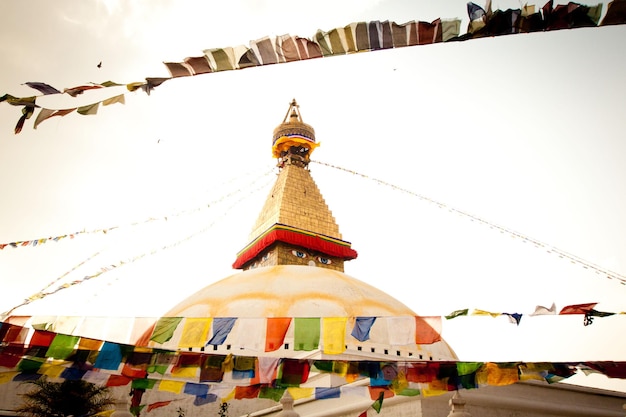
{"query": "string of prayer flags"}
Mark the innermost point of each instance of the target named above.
(386, 378)
(352, 38)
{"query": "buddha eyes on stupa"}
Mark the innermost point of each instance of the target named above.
(324, 261)
(299, 254)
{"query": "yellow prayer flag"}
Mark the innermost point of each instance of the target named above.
(117, 99)
(86, 343)
(298, 393)
(172, 386)
(485, 313)
(436, 387)
(195, 332)
(334, 334)
(7, 377)
(50, 370)
(229, 396)
(497, 375)
(186, 372)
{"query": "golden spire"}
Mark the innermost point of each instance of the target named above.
(295, 217)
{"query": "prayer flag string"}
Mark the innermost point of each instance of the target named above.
(353, 38)
(538, 244)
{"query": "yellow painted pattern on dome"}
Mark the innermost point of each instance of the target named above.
(290, 291)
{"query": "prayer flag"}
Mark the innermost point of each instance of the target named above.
(264, 50)
(43, 88)
(199, 65)
(427, 329)
(110, 356)
(271, 393)
(196, 389)
(293, 372)
(62, 346)
(457, 313)
(172, 386)
(514, 318)
(251, 391)
(541, 310)
(221, 59)
(164, 329)
(401, 330)
(178, 69)
(578, 308)
(362, 326)
(287, 49)
(267, 369)
(195, 332)
(73, 374)
(89, 344)
(251, 333)
(212, 368)
(89, 109)
(325, 393)
(221, 329)
(308, 49)
(497, 374)
(477, 312)
(143, 383)
(42, 338)
(121, 98)
(334, 334)
(157, 404)
(299, 393)
(6, 377)
(378, 404)
(117, 381)
(615, 13)
(45, 114)
(306, 333)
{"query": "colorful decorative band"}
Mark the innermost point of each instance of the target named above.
(283, 136)
(309, 240)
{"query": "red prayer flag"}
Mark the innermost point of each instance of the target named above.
(578, 308)
(251, 391)
(118, 381)
(157, 405)
(427, 329)
(275, 333)
(42, 338)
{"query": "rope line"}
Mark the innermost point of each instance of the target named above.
(549, 248)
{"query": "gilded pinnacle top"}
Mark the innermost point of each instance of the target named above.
(293, 137)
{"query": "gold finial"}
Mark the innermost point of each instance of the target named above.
(293, 140)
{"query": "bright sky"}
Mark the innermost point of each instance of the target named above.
(523, 131)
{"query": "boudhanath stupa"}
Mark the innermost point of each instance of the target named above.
(288, 333)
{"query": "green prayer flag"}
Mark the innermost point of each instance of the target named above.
(89, 109)
(457, 313)
(378, 404)
(306, 333)
(62, 346)
(410, 392)
(164, 329)
(272, 393)
(466, 368)
(596, 313)
(143, 383)
(29, 365)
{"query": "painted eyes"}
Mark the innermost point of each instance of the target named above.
(320, 259)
